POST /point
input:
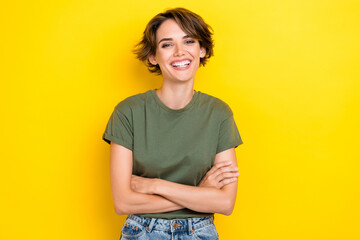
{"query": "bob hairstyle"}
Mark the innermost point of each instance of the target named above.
(191, 23)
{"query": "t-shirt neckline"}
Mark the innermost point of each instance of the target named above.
(161, 104)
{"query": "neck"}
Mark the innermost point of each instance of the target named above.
(176, 96)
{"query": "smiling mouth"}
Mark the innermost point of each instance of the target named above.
(181, 65)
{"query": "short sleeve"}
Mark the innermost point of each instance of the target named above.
(229, 136)
(119, 128)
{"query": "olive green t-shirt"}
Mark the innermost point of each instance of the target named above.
(178, 145)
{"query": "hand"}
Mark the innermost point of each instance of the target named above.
(142, 184)
(219, 175)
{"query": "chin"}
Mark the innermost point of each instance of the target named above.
(183, 79)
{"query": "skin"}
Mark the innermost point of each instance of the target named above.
(178, 86)
(216, 193)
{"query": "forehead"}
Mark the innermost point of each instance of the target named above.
(169, 29)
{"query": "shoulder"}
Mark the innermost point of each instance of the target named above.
(131, 103)
(216, 104)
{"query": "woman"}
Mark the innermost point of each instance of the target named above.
(172, 157)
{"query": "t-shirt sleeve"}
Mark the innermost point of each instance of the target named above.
(119, 128)
(229, 136)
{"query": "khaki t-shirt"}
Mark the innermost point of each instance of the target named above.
(177, 145)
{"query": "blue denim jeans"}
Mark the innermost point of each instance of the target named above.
(137, 227)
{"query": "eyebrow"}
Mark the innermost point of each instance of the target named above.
(169, 39)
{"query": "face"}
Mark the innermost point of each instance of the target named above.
(177, 54)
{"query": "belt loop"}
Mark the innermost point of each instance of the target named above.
(191, 231)
(151, 225)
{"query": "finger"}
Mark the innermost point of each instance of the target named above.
(136, 177)
(223, 176)
(223, 170)
(226, 182)
(216, 166)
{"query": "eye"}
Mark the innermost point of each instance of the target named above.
(190, 41)
(165, 45)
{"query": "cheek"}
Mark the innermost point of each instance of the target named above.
(196, 55)
(195, 52)
(162, 56)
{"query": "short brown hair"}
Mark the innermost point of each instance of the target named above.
(191, 23)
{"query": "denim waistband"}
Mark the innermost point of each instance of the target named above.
(172, 225)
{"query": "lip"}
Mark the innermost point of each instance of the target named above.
(181, 68)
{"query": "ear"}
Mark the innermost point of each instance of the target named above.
(202, 52)
(152, 60)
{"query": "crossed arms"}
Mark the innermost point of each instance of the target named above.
(216, 193)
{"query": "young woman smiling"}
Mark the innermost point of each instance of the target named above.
(172, 155)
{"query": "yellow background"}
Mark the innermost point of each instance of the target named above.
(290, 71)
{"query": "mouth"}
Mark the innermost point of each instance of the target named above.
(181, 65)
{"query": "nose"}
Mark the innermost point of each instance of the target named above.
(179, 50)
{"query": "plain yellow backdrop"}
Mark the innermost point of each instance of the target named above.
(290, 71)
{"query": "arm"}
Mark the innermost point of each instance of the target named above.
(127, 201)
(201, 198)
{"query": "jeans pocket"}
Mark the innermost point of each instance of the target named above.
(132, 230)
(206, 233)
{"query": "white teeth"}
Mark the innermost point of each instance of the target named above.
(181, 64)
